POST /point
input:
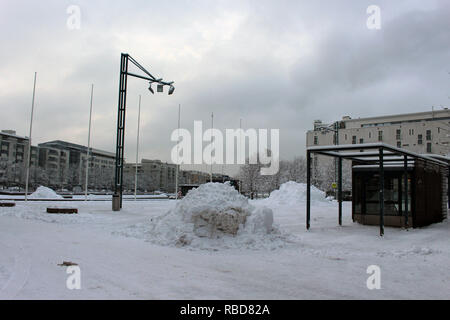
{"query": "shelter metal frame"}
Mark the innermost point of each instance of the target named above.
(378, 154)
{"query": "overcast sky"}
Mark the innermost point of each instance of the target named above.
(275, 64)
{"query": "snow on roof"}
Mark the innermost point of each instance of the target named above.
(336, 151)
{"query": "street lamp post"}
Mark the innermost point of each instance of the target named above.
(335, 130)
(120, 141)
(337, 168)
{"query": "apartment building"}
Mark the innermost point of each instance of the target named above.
(422, 133)
(153, 175)
(70, 160)
(55, 163)
(13, 155)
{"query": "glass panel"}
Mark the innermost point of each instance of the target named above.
(372, 196)
(409, 194)
(357, 195)
(391, 195)
(391, 198)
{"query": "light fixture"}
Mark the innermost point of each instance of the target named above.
(151, 89)
(171, 90)
(160, 88)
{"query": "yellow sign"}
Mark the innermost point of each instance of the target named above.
(334, 185)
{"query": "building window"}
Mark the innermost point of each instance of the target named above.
(429, 147)
(316, 140)
(345, 137)
(428, 135)
(361, 141)
(380, 135)
(399, 144)
(354, 140)
(419, 139)
(399, 134)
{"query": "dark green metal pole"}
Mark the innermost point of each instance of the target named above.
(120, 141)
(381, 169)
(448, 187)
(405, 182)
(340, 189)
(308, 189)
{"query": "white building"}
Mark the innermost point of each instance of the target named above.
(422, 133)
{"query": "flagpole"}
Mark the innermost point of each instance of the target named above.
(89, 146)
(29, 140)
(240, 141)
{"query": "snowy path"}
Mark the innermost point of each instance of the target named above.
(326, 262)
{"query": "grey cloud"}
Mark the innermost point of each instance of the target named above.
(276, 64)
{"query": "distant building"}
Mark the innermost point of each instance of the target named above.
(194, 177)
(55, 163)
(153, 175)
(69, 159)
(422, 133)
(13, 155)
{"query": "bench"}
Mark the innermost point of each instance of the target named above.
(62, 210)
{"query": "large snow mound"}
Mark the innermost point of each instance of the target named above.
(213, 216)
(214, 208)
(44, 193)
(291, 193)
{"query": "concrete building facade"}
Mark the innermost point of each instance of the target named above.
(70, 159)
(153, 175)
(13, 155)
(422, 133)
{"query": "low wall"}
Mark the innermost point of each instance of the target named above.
(389, 221)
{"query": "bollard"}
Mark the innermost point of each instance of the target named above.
(116, 202)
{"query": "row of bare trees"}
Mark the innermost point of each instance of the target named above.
(322, 177)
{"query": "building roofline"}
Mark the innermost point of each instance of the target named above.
(13, 135)
(337, 151)
(77, 147)
(422, 113)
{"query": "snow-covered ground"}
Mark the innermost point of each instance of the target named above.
(120, 259)
(90, 197)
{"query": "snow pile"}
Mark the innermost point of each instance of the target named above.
(213, 216)
(214, 208)
(292, 193)
(44, 193)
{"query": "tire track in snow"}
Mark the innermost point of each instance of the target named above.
(19, 276)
